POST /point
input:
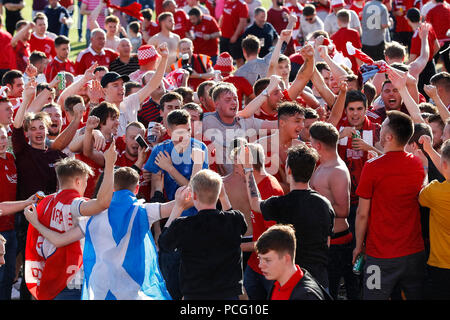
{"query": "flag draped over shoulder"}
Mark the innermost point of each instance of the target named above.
(120, 258)
(48, 270)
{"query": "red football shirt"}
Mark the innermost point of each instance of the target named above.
(8, 57)
(233, 10)
(242, 85)
(284, 292)
(88, 57)
(22, 52)
(401, 25)
(439, 17)
(393, 182)
(43, 44)
(182, 23)
(8, 181)
(55, 66)
(269, 186)
(207, 25)
(340, 39)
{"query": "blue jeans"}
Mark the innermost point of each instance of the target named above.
(8, 270)
(69, 294)
(256, 285)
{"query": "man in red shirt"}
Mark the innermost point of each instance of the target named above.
(255, 284)
(181, 26)
(39, 41)
(20, 44)
(206, 33)
(388, 215)
(276, 252)
(345, 34)
(413, 17)
(135, 157)
(403, 31)
(8, 57)
(232, 23)
(278, 17)
(96, 52)
(61, 61)
(13, 80)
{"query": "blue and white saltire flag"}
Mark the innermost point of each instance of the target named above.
(120, 258)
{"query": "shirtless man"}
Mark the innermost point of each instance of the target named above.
(166, 22)
(332, 180)
(290, 123)
(234, 183)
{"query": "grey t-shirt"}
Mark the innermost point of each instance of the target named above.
(254, 69)
(222, 134)
(374, 15)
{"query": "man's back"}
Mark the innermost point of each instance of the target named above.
(211, 257)
(120, 257)
(253, 70)
(393, 182)
(312, 217)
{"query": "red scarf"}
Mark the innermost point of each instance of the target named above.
(48, 269)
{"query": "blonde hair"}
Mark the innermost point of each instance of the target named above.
(207, 185)
(42, 116)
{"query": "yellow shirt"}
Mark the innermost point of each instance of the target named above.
(436, 196)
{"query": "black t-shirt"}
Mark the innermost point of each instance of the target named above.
(54, 15)
(267, 35)
(210, 249)
(125, 69)
(312, 217)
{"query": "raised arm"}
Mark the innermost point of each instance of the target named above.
(305, 72)
(104, 195)
(431, 91)
(28, 96)
(338, 107)
(88, 142)
(285, 36)
(65, 137)
(155, 81)
(399, 80)
(56, 238)
(256, 103)
(75, 87)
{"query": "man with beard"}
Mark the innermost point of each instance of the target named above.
(57, 138)
(14, 82)
(134, 156)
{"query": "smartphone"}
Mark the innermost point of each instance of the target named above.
(142, 143)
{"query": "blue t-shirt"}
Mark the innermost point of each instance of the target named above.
(181, 161)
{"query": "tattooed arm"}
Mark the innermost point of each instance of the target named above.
(252, 191)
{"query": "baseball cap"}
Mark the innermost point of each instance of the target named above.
(147, 53)
(111, 77)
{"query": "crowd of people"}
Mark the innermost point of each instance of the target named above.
(224, 150)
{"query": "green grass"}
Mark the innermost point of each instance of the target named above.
(73, 32)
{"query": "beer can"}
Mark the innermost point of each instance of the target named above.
(151, 137)
(62, 80)
(356, 135)
(357, 267)
(217, 75)
(39, 195)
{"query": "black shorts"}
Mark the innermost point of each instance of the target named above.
(234, 49)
